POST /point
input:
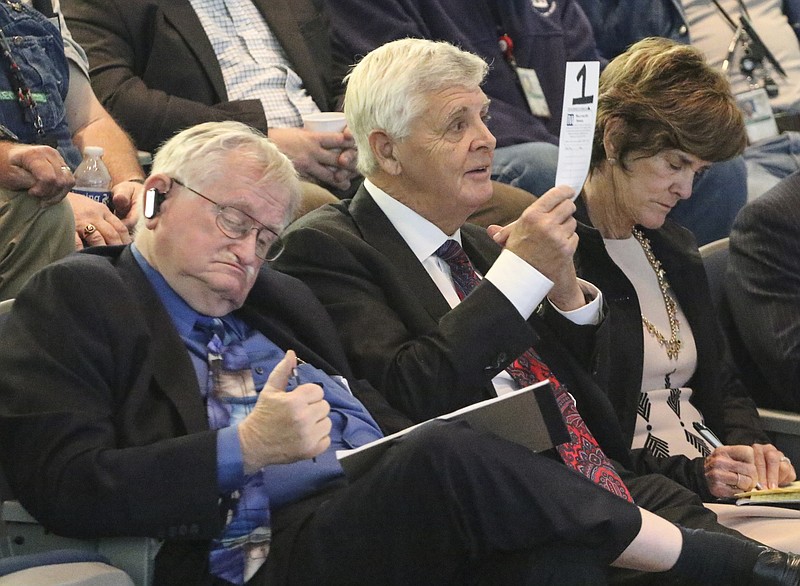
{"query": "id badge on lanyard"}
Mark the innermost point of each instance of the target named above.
(527, 79)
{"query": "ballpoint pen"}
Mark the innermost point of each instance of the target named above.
(713, 441)
(296, 379)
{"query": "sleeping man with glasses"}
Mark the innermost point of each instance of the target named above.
(236, 224)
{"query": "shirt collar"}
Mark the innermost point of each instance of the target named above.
(421, 235)
(183, 316)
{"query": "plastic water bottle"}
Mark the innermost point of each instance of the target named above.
(92, 178)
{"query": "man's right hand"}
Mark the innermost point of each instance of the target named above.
(326, 158)
(285, 427)
(544, 236)
(38, 169)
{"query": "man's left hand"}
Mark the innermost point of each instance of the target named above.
(38, 169)
(127, 197)
(544, 236)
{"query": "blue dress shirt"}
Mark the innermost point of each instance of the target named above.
(352, 424)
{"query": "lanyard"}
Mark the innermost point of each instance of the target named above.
(507, 49)
(24, 96)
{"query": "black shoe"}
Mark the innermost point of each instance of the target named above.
(775, 567)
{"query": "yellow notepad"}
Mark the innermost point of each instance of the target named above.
(785, 494)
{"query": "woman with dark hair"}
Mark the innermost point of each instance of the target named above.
(663, 117)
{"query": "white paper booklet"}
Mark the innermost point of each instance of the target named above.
(529, 416)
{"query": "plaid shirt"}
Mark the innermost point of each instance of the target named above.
(253, 63)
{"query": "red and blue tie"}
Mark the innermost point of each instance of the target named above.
(582, 453)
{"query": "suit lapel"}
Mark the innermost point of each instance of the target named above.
(480, 249)
(279, 17)
(378, 232)
(181, 15)
(172, 367)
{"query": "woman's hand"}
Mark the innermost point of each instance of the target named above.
(774, 469)
(730, 470)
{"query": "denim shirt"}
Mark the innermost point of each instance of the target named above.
(38, 49)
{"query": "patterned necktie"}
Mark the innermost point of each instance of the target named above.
(582, 453)
(244, 543)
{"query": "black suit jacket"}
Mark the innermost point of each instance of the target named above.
(763, 291)
(103, 426)
(154, 69)
(718, 392)
(400, 333)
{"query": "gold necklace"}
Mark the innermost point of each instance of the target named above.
(674, 344)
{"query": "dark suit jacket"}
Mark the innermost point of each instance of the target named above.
(401, 335)
(102, 423)
(718, 392)
(154, 69)
(763, 290)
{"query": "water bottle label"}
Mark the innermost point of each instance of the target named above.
(98, 195)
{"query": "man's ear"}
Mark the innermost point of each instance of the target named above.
(384, 149)
(156, 188)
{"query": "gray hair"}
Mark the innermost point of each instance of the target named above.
(195, 155)
(387, 89)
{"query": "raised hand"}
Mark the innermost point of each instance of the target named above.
(544, 236)
(285, 427)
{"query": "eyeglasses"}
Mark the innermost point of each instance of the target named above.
(236, 224)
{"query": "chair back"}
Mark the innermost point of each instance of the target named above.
(715, 262)
(5, 490)
(781, 426)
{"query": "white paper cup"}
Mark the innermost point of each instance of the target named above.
(325, 122)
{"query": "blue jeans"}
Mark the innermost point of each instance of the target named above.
(530, 166)
(716, 199)
(769, 161)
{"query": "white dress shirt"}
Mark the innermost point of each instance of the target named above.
(523, 285)
(253, 63)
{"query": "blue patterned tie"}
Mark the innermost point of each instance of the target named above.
(582, 453)
(463, 273)
(244, 543)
